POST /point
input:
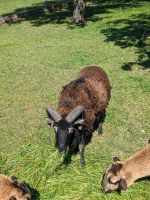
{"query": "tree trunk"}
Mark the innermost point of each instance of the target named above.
(78, 13)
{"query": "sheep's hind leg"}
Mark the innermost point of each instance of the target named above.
(81, 149)
(100, 130)
(101, 120)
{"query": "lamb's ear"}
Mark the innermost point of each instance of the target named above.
(115, 159)
(122, 184)
(149, 141)
(12, 198)
(116, 168)
(21, 186)
(14, 178)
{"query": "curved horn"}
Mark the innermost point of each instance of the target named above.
(74, 114)
(53, 113)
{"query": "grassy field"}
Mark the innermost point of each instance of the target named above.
(10, 5)
(40, 55)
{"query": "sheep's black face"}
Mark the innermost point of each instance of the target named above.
(64, 133)
(66, 127)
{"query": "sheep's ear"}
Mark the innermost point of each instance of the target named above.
(50, 122)
(149, 141)
(79, 123)
(115, 159)
(123, 184)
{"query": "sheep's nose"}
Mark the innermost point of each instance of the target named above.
(61, 148)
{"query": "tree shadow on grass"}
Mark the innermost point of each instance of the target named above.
(60, 12)
(133, 32)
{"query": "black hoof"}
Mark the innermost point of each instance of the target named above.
(82, 162)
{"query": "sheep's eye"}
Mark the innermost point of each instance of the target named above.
(71, 130)
(112, 182)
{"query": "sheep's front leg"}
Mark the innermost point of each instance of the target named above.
(81, 149)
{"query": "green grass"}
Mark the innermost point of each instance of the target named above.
(40, 55)
(11, 5)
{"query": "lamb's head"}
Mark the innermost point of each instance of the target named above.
(65, 127)
(14, 190)
(114, 178)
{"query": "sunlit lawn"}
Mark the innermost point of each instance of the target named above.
(37, 57)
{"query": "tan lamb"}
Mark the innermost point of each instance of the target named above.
(120, 175)
(11, 189)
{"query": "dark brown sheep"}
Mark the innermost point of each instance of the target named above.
(81, 110)
(11, 189)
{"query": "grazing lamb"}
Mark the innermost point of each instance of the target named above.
(81, 110)
(120, 175)
(11, 189)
